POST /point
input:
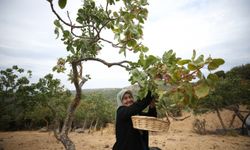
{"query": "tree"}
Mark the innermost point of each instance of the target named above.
(95, 111)
(16, 97)
(51, 101)
(230, 92)
(25, 105)
(126, 24)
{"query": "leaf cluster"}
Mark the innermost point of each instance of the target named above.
(232, 89)
(176, 81)
(25, 103)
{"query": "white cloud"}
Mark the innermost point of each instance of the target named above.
(216, 27)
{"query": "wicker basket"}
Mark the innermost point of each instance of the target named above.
(150, 123)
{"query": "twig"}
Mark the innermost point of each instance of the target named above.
(115, 45)
(66, 23)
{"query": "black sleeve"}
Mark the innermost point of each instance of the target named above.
(124, 112)
(151, 112)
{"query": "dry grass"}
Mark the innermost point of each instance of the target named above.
(180, 137)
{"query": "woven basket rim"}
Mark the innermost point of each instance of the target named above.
(150, 118)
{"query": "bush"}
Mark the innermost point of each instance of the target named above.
(199, 126)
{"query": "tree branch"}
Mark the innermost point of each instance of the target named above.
(115, 45)
(106, 63)
(191, 74)
(66, 23)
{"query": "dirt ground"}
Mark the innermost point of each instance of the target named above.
(179, 137)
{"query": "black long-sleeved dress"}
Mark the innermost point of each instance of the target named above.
(128, 138)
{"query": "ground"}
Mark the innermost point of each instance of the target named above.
(179, 137)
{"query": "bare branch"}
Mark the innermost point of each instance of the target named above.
(58, 16)
(84, 80)
(104, 25)
(72, 29)
(121, 63)
(66, 23)
(106, 9)
(107, 5)
(69, 19)
(115, 45)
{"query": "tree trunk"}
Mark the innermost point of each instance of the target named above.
(47, 123)
(239, 115)
(91, 124)
(232, 121)
(96, 123)
(84, 124)
(63, 135)
(101, 129)
(221, 121)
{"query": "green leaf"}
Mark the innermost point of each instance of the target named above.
(57, 23)
(199, 74)
(194, 55)
(62, 3)
(141, 60)
(161, 94)
(215, 63)
(167, 56)
(144, 48)
(66, 34)
(208, 60)
(115, 14)
(56, 31)
(213, 77)
(183, 61)
(143, 92)
(192, 66)
(159, 82)
(132, 43)
(149, 61)
(201, 90)
(200, 59)
(15, 67)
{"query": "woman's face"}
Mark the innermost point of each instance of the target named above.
(127, 100)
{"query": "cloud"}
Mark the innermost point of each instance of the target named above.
(219, 28)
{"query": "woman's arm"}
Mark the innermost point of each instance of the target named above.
(124, 112)
(151, 111)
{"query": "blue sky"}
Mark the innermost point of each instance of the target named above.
(219, 28)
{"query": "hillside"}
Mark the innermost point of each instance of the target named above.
(107, 93)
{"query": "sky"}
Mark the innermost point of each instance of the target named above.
(219, 28)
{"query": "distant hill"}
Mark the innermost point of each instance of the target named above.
(107, 93)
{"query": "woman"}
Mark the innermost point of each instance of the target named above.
(128, 138)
